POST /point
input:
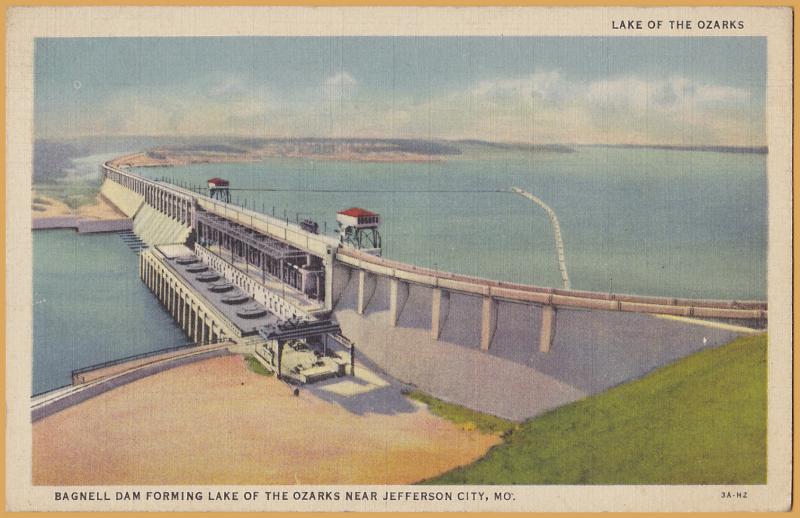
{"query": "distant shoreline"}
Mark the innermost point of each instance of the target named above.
(364, 150)
(755, 150)
(54, 156)
(180, 159)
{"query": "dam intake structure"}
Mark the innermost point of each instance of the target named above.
(514, 350)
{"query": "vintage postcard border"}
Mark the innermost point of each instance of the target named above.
(25, 24)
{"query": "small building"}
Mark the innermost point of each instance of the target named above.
(219, 189)
(358, 228)
(358, 218)
(218, 182)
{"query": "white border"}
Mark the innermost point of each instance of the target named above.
(25, 24)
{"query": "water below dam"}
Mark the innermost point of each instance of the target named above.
(642, 221)
(89, 306)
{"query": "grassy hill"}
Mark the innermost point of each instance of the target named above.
(700, 420)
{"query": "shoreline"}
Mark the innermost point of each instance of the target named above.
(45, 207)
(180, 159)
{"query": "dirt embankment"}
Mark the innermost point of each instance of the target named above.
(216, 422)
(43, 206)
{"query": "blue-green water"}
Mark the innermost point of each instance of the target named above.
(89, 306)
(645, 221)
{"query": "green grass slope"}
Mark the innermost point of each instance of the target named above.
(254, 365)
(466, 418)
(700, 420)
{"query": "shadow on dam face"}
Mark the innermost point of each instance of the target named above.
(592, 350)
(463, 323)
(595, 350)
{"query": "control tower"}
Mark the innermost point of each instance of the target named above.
(358, 228)
(219, 189)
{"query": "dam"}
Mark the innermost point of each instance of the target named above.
(515, 350)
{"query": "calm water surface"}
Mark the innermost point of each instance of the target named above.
(643, 221)
(89, 306)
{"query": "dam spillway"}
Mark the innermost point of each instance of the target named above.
(151, 225)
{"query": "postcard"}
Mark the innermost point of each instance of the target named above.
(398, 259)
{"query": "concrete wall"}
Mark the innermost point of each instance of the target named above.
(340, 278)
(55, 222)
(590, 350)
(529, 294)
(83, 226)
(124, 199)
(90, 226)
(45, 406)
(156, 228)
(149, 224)
(198, 319)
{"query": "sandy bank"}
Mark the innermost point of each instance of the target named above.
(215, 422)
(48, 207)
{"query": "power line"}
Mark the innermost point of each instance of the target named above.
(393, 191)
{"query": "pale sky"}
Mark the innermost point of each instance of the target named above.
(623, 90)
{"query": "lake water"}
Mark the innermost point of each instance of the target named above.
(89, 306)
(644, 221)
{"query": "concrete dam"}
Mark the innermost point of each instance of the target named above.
(508, 349)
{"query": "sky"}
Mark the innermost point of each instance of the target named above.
(609, 90)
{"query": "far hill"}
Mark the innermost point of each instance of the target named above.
(520, 146)
(759, 150)
(53, 158)
(249, 149)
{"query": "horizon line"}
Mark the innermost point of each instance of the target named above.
(706, 146)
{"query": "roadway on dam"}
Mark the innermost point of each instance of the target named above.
(592, 350)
